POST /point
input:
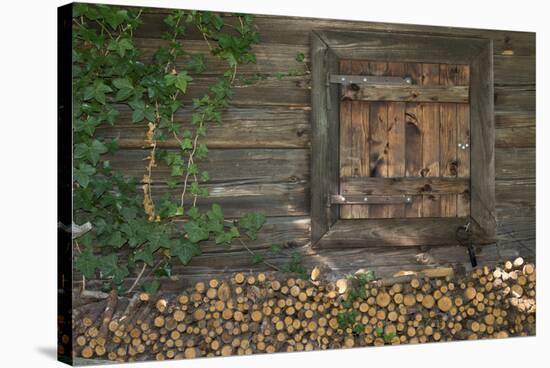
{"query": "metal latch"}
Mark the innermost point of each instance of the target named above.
(464, 237)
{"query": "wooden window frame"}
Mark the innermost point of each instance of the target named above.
(327, 48)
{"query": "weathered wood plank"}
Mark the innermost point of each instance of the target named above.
(378, 137)
(515, 129)
(430, 141)
(404, 47)
(448, 131)
(516, 137)
(231, 165)
(271, 59)
(413, 140)
(482, 202)
(515, 163)
(345, 144)
(404, 185)
(396, 139)
(457, 94)
(290, 92)
(282, 231)
(324, 150)
(360, 138)
(237, 199)
(463, 137)
(242, 127)
(515, 192)
(509, 99)
(392, 232)
(295, 30)
(515, 70)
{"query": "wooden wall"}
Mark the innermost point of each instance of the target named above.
(259, 158)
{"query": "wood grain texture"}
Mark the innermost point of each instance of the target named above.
(448, 130)
(404, 185)
(463, 135)
(295, 31)
(515, 163)
(324, 151)
(413, 140)
(320, 188)
(226, 165)
(406, 93)
(378, 140)
(241, 127)
(400, 46)
(482, 203)
(396, 139)
(360, 143)
(430, 141)
(392, 232)
(346, 158)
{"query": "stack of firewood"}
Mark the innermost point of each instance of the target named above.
(264, 313)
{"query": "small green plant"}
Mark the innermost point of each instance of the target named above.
(358, 328)
(379, 331)
(347, 319)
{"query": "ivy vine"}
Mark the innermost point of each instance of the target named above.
(134, 229)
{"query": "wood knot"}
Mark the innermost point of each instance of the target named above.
(426, 188)
(300, 132)
(453, 168)
(354, 87)
(424, 172)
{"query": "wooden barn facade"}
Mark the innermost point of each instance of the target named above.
(260, 158)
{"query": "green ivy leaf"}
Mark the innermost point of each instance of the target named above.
(86, 263)
(151, 286)
(195, 231)
(120, 46)
(197, 63)
(251, 223)
(109, 266)
(172, 183)
(97, 91)
(185, 250)
(82, 174)
(138, 115)
(186, 143)
(145, 255)
(179, 80)
(176, 170)
(125, 88)
(204, 176)
(91, 152)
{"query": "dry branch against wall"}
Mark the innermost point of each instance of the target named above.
(266, 313)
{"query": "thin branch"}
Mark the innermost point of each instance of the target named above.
(137, 279)
(263, 260)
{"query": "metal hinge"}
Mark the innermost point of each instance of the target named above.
(369, 79)
(352, 199)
